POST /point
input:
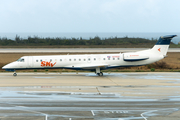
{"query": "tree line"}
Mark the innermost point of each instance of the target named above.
(38, 41)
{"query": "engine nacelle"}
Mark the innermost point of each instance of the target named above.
(134, 57)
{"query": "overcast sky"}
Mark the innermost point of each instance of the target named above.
(89, 15)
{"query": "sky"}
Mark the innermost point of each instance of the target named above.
(89, 16)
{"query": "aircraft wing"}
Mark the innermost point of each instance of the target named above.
(95, 66)
(89, 66)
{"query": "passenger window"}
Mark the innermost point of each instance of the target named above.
(118, 59)
(41, 60)
(69, 59)
(89, 59)
(84, 59)
(94, 58)
(50, 59)
(113, 58)
(74, 59)
(36, 60)
(60, 59)
(108, 58)
(79, 59)
(104, 58)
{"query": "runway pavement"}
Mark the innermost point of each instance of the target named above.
(74, 50)
(85, 96)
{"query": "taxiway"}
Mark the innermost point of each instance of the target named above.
(85, 96)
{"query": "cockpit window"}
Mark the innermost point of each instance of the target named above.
(21, 60)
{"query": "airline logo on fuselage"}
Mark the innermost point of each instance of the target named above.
(159, 49)
(113, 56)
(47, 64)
(134, 55)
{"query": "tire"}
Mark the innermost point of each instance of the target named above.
(15, 74)
(101, 74)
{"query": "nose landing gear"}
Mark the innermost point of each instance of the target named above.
(14, 74)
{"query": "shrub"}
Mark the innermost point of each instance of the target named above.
(152, 69)
(46, 70)
(158, 65)
(161, 64)
(35, 70)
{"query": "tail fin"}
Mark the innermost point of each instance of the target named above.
(161, 47)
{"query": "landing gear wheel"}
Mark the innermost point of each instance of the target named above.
(101, 74)
(15, 74)
(98, 74)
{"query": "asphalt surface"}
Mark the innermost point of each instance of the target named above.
(85, 96)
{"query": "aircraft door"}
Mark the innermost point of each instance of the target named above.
(30, 62)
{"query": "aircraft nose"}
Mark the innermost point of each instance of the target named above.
(4, 67)
(9, 67)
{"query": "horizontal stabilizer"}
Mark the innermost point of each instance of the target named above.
(165, 40)
(168, 36)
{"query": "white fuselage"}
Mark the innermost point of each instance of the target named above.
(88, 62)
(94, 62)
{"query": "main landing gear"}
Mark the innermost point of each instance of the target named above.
(98, 72)
(14, 74)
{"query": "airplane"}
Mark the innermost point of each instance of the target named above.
(94, 62)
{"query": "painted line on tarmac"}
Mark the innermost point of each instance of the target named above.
(46, 115)
(142, 114)
(145, 118)
(92, 112)
(21, 108)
